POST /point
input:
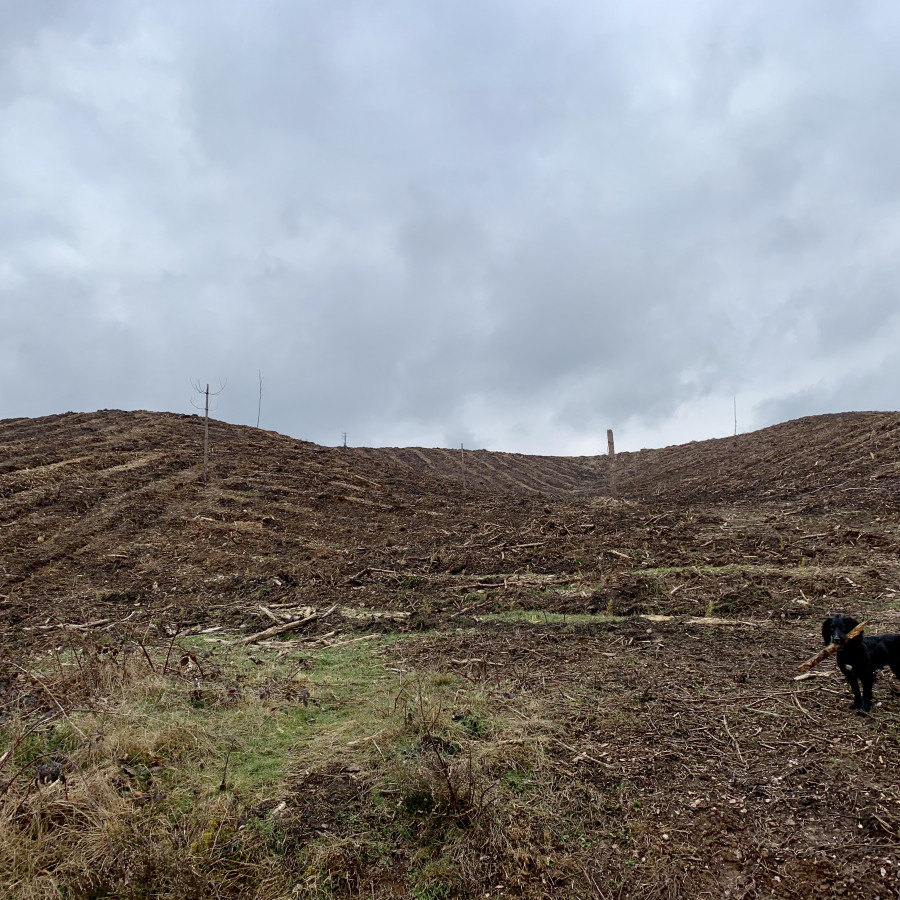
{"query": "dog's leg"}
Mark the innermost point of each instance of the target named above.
(853, 681)
(867, 681)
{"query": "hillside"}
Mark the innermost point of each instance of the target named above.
(98, 508)
(822, 459)
(541, 680)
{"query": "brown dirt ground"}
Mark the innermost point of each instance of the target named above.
(702, 766)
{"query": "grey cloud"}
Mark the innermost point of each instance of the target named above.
(825, 396)
(507, 224)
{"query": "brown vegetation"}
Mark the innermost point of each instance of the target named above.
(522, 686)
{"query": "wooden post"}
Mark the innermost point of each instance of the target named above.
(206, 438)
(611, 450)
(462, 461)
(259, 406)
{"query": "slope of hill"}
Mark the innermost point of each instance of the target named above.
(111, 508)
(821, 458)
(598, 699)
(850, 459)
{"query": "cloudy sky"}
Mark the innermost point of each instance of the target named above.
(506, 223)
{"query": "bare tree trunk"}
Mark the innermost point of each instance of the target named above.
(206, 438)
(198, 387)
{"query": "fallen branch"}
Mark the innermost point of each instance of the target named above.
(70, 625)
(278, 620)
(831, 649)
(365, 637)
(281, 629)
(299, 642)
(357, 578)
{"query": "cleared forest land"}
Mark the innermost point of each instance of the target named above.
(543, 683)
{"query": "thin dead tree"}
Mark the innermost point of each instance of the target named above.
(199, 389)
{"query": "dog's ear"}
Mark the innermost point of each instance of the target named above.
(826, 631)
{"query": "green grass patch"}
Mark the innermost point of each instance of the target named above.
(543, 617)
(276, 772)
(703, 570)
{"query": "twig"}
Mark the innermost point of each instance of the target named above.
(371, 737)
(278, 620)
(8, 755)
(140, 644)
(223, 786)
(43, 684)
(169, 651)
(803, 709)
(733, 741)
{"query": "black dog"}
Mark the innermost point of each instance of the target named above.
(862, 657)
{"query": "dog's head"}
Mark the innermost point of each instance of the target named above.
(836, 628)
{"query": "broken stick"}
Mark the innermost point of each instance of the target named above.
(831, 649)
(281, 629)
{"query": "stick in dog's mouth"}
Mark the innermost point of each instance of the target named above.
(831, 649)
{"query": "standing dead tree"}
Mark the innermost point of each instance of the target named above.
(199, 389)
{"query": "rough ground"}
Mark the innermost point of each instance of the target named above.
(690, 760)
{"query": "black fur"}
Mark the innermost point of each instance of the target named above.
(862, 657)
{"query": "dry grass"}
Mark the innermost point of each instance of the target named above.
(249, 774)
(621, 759)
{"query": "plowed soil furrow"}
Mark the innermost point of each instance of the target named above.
(681, 740)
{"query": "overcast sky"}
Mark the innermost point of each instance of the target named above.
(507, 223)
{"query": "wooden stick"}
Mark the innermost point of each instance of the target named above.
(831, 649)
(281, 629)
(365, 637)
(278, 620)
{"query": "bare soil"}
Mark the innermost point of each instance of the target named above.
(692, 581)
